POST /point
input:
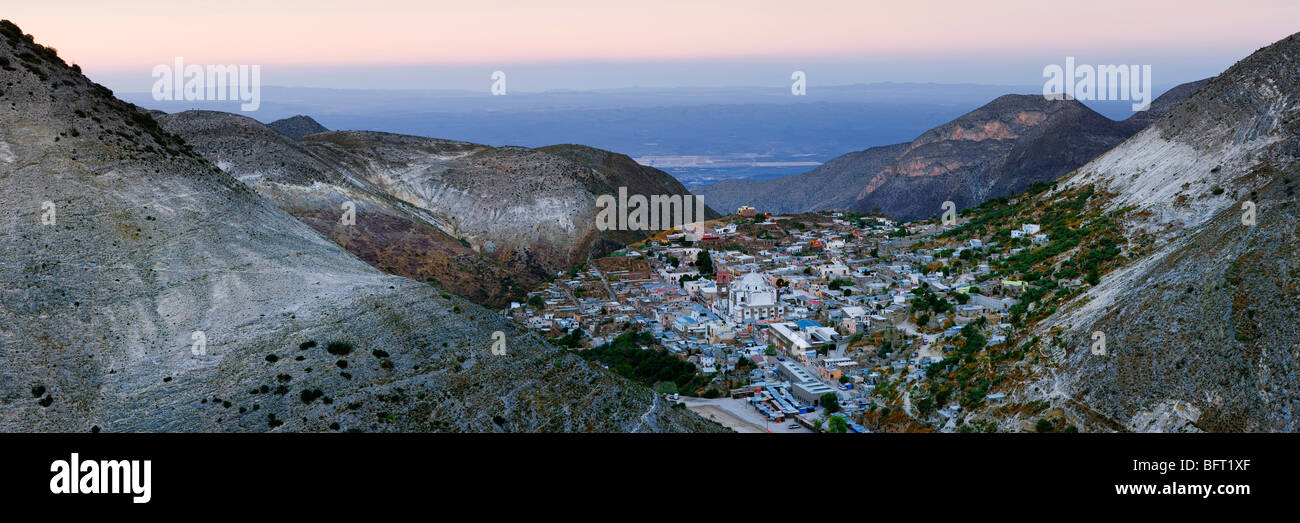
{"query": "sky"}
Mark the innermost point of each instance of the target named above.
(587, 44)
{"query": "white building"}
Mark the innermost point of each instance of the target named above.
(801, 337)
(832, 271)
(752, 298)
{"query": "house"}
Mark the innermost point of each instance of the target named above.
(991, 303)
(970, 311)
(853, 319)
(835, 270)
(706, 287)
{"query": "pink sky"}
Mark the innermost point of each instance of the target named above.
(104, 36)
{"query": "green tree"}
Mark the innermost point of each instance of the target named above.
(838, 425)
(829, 402)
(704, 263)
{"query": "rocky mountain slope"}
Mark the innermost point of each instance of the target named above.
(1201, 322)
(486, 222)
(126, 249)
(297, 126)
(995, 150)
(386, 232)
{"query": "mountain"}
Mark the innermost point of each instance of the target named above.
(995, 150)
(998, 149)
(488, 223)
(1201, 330)
(1166, 102)
(1190, 317)
(142, 288)
(297, 126)
(713, 125)
(388, 233)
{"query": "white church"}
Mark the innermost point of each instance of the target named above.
(752, 298)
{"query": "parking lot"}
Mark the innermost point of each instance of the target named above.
(739, 416)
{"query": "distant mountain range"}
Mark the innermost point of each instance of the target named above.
(996, 150)
(768, 124)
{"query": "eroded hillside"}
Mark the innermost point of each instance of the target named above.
(144, 289)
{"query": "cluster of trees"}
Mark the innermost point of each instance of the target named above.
(837, 425)
(573, 272)
(625, 357)
(572, 339)
(839, 283)
(927, 300)
(830, 402)
(689, 277)
(704, 263)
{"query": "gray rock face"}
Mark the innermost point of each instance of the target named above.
(150, 249)
(532, 207)
(386, 232)
(1202, 329)
(297, 126)
(487, 223)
